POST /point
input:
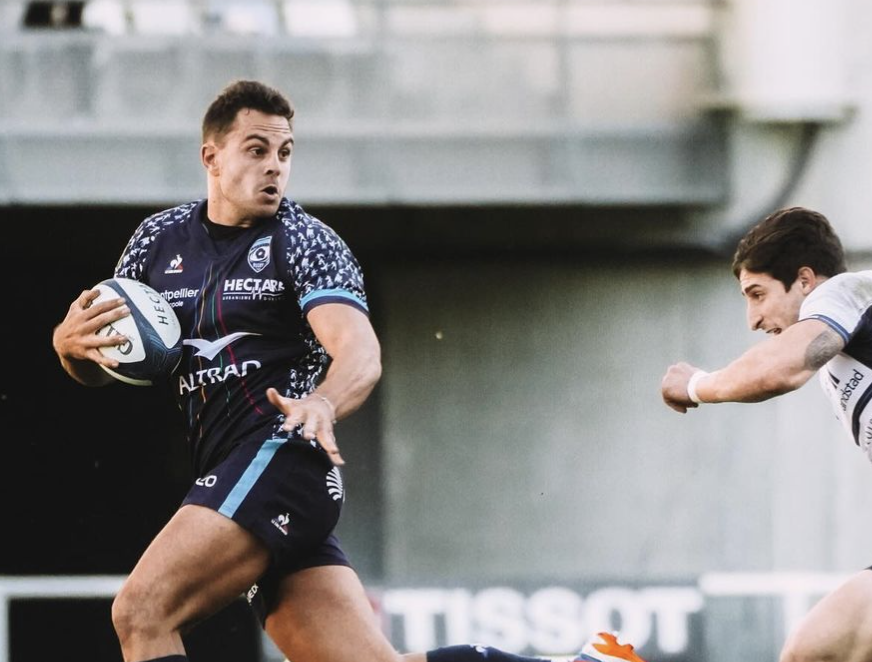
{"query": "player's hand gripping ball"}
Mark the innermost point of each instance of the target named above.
(154, 346)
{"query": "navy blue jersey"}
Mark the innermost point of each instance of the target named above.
(242, 300)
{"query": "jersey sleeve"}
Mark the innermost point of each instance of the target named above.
(131, 263)
(134, 257)
(840, 302)
(322, 267)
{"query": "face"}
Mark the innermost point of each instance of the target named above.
(770, 308)
(248, 168)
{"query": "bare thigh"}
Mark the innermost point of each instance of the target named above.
(323, 613)
(839, 627)
(198, 563)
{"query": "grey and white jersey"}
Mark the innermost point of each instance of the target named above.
(844, 302)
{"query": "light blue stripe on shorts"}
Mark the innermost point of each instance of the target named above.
(250, 476)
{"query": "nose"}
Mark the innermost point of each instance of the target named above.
(272, 164)
(755, 319)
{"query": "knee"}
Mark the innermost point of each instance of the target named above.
(133, 613)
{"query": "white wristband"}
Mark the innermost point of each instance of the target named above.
(691, 385)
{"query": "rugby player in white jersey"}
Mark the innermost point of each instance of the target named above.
(791, 271)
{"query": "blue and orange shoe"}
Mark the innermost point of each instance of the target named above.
(604, 647)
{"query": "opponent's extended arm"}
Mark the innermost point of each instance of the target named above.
(771, 368)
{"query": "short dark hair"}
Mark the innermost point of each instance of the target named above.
(242, 94)
(788, 239)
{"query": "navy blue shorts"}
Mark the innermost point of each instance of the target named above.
(289, 495)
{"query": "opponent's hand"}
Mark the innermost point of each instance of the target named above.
(673, 387)
(315, 414)
(76, 338)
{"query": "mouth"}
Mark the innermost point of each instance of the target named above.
(774, 331)
(270, 190)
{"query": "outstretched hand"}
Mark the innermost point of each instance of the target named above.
(673, 387)
(314, 414)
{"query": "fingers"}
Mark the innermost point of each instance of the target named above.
(673, 387)
(79, 335)
(274, 398)
(313, 416)
(99, 357)
(321, 429)
(106, 312)
(84, 300)
(90, 317)
(680, 408)
(328, 443)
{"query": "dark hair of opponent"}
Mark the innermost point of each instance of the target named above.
(788, 239)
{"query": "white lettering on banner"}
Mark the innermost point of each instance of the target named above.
(457, 615)
(632, 613)
(498, 614)
(554, 621)
(550, 620)
(418, 609)
(671, 608)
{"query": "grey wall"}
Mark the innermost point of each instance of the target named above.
(525, 437)
(419, 103)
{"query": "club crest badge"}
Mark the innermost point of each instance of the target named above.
(259, 253)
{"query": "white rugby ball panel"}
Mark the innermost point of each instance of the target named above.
(131, 352)
(150, 306)
(126, 379)
(152, 328)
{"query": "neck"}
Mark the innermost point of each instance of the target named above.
(220, 212)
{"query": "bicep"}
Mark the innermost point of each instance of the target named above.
(807, 345)
(823, 346)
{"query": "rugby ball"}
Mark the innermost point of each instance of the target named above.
(154, 346)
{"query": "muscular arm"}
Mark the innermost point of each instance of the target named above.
(824, 347)
(351, 343)
(349, 339)
(771, 368)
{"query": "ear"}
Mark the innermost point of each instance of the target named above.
(209, 157)
(807, 279)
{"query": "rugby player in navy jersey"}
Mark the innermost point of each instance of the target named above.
(278, 347)
(791, 271)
